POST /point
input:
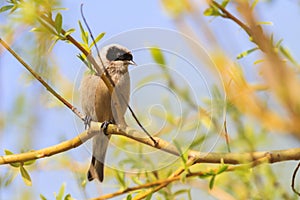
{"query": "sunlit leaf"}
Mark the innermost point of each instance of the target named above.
(245, 53)
(97, 39)
(68, 197)
(212, 182)
(58, 23)
(224, 3)
(149, 196)
(5, 8)
(157, 55)
(25, 176)
(179, 192)
(177, 145)
(68, 32)
(61, 192)
(121, 178)
(222, 169)
(43, 197)
(129, 197)
(211, 11)
(84, 35)
(30, 162)
(7, 152)
(287, 55)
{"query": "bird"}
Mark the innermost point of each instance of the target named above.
(99, 105)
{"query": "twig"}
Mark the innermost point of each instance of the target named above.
(226, 14)
(166, 181)
(41, 80)
(294, 178)
(177, 173)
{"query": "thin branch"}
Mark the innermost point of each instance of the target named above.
(294, 178)
(41, 80)
(226, 14)
(163, 182)
(177, 173)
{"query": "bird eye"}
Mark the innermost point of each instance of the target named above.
(124, 57)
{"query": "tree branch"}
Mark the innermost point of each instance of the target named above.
(41, 80)
(176, 177)
(201, 157)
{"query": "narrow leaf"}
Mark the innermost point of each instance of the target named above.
(222, 169)
(157, 55)
(68, 32)
(97, 39)
(211, 11)
(288, 55)
(25, 176)
(29, 162)
(177, 145)
(212, 182)
(129, 197)
(8, 152)
(245, 53)
(84, 34)
(224, 3)
(68, 197)
(5, 8)
(58, 23)
(43, 197)
(61, 192)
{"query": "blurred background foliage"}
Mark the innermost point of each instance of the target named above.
(260, 91)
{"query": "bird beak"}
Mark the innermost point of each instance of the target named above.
(131, 62)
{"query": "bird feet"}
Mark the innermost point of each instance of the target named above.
(104, 126)
(87, 122)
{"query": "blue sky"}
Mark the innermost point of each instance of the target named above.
(112, 17)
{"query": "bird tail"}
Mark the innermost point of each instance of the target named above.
(96, 170)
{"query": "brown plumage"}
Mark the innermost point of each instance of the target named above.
(98, 104)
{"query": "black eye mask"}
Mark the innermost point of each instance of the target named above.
(114, 54)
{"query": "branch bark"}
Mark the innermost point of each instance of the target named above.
(201, 157)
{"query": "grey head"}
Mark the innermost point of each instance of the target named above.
(116, 58)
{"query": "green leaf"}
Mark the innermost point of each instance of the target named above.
(211, 11)
(279, 43)
(149, 196)
(222, 169)
(61, 192)
(157, 55)
(97, 39)
(121, 178)
(5, 8)
(224, 3)
(212, 182)
(43, 197)
(81, 28)
(179, 192)
(129, 197)
(245, 53)
(84, 34)
(25, 176)
(29, 162)
(68, 197)
(177, 145)
(7, 152)
(189, 194)
(287, 55)
(58, 23)
(68, 32)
